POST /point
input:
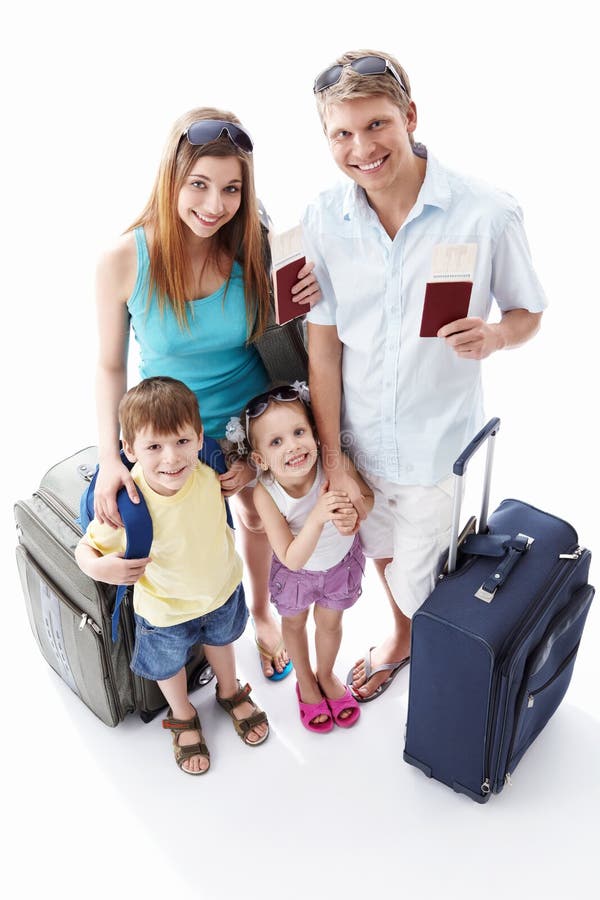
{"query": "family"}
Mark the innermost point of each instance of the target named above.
(356, 463)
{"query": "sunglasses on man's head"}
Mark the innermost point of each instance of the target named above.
(364, 65)
(206, 130)
(260, 403)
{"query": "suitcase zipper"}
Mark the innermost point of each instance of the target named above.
(555, 582)
(64, 513)
(531, 702)
(85, 620)
(575, 555)
(128, 630)
(559, 671)
(107, 663)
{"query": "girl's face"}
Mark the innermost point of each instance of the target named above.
(211, 194)
(284, 442)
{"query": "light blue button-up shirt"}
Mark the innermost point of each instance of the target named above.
(410, 404)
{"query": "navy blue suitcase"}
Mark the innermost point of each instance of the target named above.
(494, 645)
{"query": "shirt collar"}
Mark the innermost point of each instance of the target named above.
(435, 190)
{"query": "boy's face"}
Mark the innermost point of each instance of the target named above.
(369, 140)
(167, 460)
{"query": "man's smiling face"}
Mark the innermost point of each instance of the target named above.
(369, 140)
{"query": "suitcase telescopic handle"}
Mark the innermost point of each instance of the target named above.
(459, 469)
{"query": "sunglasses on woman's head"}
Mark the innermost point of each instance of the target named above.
(364, 65)
(206, 130)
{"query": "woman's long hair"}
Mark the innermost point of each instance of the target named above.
(241, 238)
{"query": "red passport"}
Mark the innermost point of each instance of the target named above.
(445, 301)
(284, 278)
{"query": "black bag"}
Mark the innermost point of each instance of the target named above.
(282, 347)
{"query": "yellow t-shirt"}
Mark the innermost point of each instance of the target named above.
(194, 567)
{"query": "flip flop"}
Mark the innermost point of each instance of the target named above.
(271, 654)
(309, 711)
(337, 707)
(393, 669)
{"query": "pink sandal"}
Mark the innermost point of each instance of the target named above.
(337, 707)
(310, 711)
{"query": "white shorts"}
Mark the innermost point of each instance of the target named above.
(411, 525)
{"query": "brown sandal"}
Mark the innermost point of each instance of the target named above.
(244, 726)
(177, 727)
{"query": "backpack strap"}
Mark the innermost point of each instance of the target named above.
(86, 503)
(138, 536)
(212, 455)
(136, 516)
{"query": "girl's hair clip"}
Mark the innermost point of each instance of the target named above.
(303, 391)
(234, 432)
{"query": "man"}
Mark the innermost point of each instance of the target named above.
(402, 405)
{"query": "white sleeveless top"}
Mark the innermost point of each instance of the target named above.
(331, 546)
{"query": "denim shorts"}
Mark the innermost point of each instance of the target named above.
(160, 653)
(335, 588)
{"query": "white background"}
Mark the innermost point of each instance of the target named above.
(507, 92)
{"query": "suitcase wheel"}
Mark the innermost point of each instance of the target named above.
(200, 677)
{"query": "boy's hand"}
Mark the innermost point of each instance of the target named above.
(332, 506)
(239, 474)
(115, 569)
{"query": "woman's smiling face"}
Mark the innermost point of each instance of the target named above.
(211, 194)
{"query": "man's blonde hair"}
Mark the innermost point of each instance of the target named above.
(160, 403)
(352, 85)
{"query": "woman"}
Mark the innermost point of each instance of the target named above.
(189, 278)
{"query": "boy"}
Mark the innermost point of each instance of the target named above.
(189, 589)
(407, 405)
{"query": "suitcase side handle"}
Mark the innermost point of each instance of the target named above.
(486, 435)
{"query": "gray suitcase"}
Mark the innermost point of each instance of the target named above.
(70, 614)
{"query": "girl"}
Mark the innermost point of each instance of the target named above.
(317, 556)
(189, 277)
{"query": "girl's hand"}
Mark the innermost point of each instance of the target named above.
(306, 289)
(349, 523)
(332, 506)
(111, 477)
(239, 474)
(114, 569)
(343, 480)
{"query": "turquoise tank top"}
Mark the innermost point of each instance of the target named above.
(212, 357)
